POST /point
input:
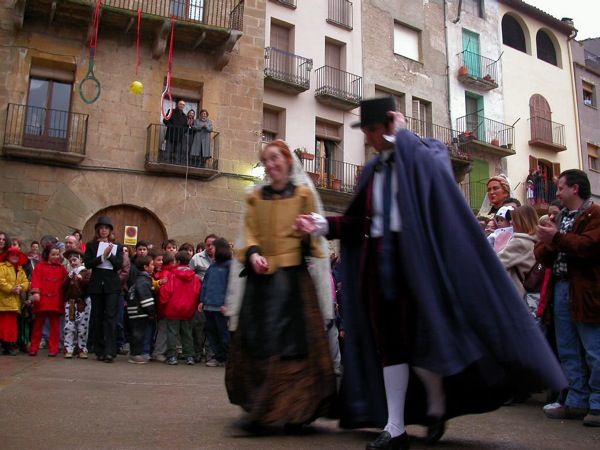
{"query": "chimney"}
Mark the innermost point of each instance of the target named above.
(568, 21)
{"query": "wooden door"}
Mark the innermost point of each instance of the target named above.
(540, 118)
(471, 52)
(335, 77)
(150, 228)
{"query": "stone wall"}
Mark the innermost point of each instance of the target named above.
(37, 199)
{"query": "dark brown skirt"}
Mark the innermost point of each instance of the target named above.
(278, 387)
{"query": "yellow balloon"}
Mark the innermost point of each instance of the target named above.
(136, 87)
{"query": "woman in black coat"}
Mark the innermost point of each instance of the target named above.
(104, 257)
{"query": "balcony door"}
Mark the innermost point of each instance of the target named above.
(281, 61)
(47, 121)
(334, 77)
(471, 52)
(187, 9)
(540, 118)
(475, 116)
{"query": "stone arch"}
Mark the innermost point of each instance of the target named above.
(150, 228)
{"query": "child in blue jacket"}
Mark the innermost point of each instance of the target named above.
(212, 302)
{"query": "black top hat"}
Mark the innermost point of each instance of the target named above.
(104, 220)
(374, 111)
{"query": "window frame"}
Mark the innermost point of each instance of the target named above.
(402, 31)
(589, 88)
(593, 159)
(474, 7)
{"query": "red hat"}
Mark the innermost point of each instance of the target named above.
(23, 259)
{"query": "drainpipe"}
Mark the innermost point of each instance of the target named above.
(575, 93)
(448, 64)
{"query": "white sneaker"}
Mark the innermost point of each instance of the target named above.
(551, 406)
(44, 344)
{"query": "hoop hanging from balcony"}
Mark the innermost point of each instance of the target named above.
(167, 91)
(90, 74)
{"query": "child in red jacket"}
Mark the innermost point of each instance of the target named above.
(179, 298)
(47, 295)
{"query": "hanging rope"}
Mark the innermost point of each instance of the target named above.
(167, 91)
(137, 44)
(93, 45)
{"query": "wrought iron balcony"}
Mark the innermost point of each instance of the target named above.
(547, 134)
(287, 72)
(209, 26)
(459, 157)
(169, 149)
(477, 71)
(474, 192)
(476, 132)
(45, 134)
(333, 175)
(337, 88)
(339, 13)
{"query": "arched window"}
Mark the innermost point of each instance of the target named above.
(545, 48)
(512, 34)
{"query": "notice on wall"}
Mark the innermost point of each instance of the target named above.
(131, 235)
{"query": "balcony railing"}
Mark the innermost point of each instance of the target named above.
(474, 192)
(287, 68)
(338, 88)
(211, 27)
(475, 127)
(476, 70)
(331, 174)
(592, 61)
(227, 14)
(340, 13)
(170, 149)
(547, 134)
(28, 127)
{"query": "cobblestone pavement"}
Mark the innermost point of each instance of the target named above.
(54, 403)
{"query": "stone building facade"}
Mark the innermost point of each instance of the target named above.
(586, 62)
(102, 157)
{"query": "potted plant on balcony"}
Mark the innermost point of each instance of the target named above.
(303, 154)
(495, 141)
(336, 184)
(463, 70)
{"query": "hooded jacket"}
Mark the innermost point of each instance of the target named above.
(180, 295)
(9, 278)
(47, 280)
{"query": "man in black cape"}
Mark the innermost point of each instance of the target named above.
(424, 291)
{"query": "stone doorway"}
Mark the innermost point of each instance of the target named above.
(150, 228)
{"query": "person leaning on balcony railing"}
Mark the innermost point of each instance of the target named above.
(174, 137)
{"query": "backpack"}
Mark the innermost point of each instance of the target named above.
(532, 279)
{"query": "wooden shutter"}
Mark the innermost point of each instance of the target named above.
(280, 37)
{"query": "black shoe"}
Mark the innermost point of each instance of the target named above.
(99, 358)
(252, 427)
(108, 359)
(435, 430)
(385, 441)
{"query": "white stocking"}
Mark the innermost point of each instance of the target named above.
(395, 379)
(436, 399)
